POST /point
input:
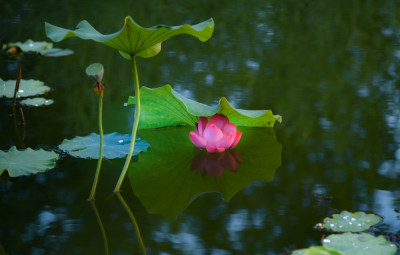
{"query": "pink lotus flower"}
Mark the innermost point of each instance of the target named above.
(215, 134)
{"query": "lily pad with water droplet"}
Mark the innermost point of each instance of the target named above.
(316, 250)
(38, 101)
(26, 162)
(359, 244)
(27, 88)
(351, 222)
(115, 145)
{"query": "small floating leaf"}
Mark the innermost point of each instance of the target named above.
(38, 101)
(316, 250)
(43, 48)
(27, 88)
(56, 52)
(114, 146)
(351, 222)
(359, 244)
(163, 107)
(95, 72)
(26, 162)
(132, 39)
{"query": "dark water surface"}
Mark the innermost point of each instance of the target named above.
(330, 68)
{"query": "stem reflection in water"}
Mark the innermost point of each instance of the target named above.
(129, 211)
(103, 232)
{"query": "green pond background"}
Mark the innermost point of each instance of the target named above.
(330, 68)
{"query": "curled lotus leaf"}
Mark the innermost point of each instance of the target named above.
(26, 162)
(359, 244)
(38, 101)
(164, 107)
(351, 222)
(27, 88)
(132, 39)
(115, 145)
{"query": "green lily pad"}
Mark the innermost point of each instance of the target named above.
(114, 146)
(163, 107)
(316, 250)
(171, 174)
(132, 39)
(37, 101)
(43, 48)
(56, 52)
(359, 244)
(27, 88)
(351, 222)
(26, 162)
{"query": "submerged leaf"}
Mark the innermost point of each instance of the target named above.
(173, 172)
(359, 244)
(26, 162)
(38, 101)
(27, 88)
(163, 107)
(351, 222)
(132, 39)
(114, 146)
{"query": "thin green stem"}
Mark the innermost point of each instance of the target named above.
(96, 177)
(134, 222)
(103, 232)
(135, 125)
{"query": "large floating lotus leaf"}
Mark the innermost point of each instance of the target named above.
(26, 162)
(37, 101)
(173, 172)
(27, 88)
(163, 107)
(114, 146)
(359, 244)
(132, 39)
(43, 48)
(316, 250)
(351, 222)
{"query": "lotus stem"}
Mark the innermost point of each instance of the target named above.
(16, 88)
(96, 177)
(134, 222)
(103, 232)
(135, 125)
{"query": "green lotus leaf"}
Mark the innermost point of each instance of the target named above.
(37, 101)
(29, 45)
(174, 172)
(359, 244)
(26, 162)
(316, 250)
(132, 39)
(43, 48)
(55, 52)
(27, 88)
(351, 222)
(163, 107)
(114, 146)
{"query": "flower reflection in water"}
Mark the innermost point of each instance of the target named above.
(214, 164)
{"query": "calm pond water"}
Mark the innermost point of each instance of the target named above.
(330, 68)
